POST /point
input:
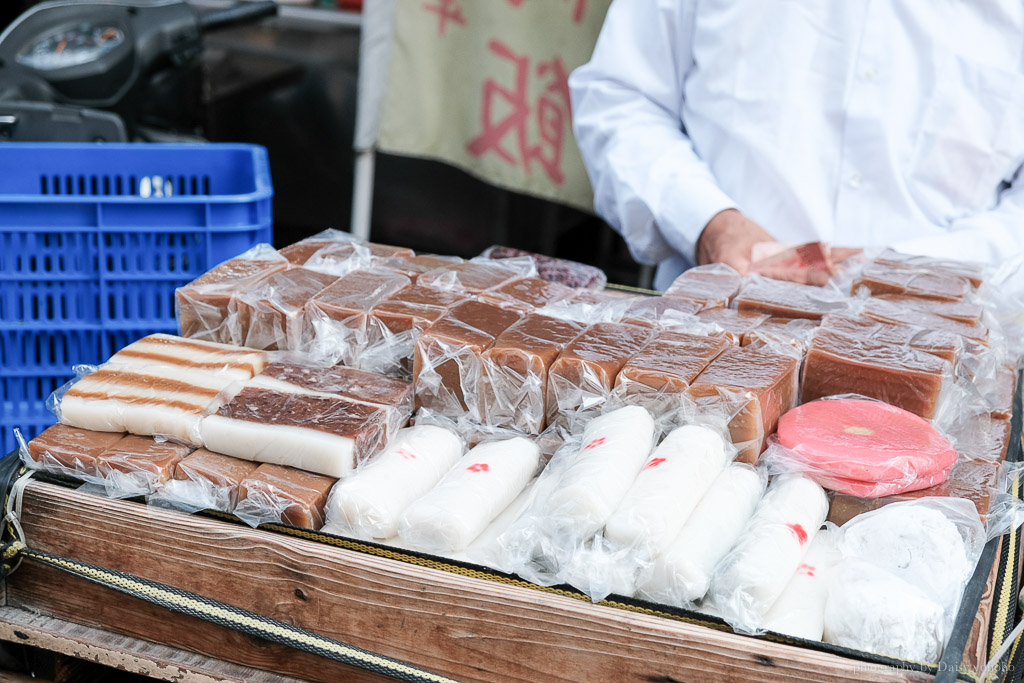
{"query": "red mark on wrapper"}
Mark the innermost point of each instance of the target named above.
(799, 532)
(479, 467)
(654, 463)
(807, 569)
(407, 454)
(595, 443)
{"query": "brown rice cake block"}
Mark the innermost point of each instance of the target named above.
(661, 311)
(975, 480)
(527, 294)
(297, 497)
(219, 473)
(413, 267)
(840, 363)
(972, 271)
(670, 362)
(515, 371)
(967, 312)
(945, 345)
(734, 323)
(791, 336)
(270, 316)
(753, 386)
(447, 363)
(924, 284)
(337, 250)
(587, 368)
(138, 463)
(711, 286)
(71, 448)
(879, 308)
(203, 304)
(469, 277)
(789, 299)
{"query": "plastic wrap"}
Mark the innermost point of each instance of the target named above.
(138, 465)
(668, 364)
(395, 324)
(974, 480)
(447, 366)
(861, 447)
(205, 480)
(527, 294)
(887, 311)
(712, 286)
(584, 374)
(562, 271)
(414, 266)
(974, 272)
(487, 549)
(756, 572)
(966, 312)
(283, 495)
(577, 493)
(770, 383)
(800, 610)
(169, 404)
(473, 493)
(336, 318)
(789, 299)
(944, 345)
(669, 486)
(68, 450)
(515, 371)
(314, 433)
(733, 323)
(663, 313)
(369, 504)
(899, 584)
(270, 314)
(202, 305)
(922, 283)
(982, 437)
(469, 277)
(841, 363)
(341, 258)
(681, 575)
(788, 336)
(178, 357)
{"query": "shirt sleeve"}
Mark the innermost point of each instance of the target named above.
(649, 182)
(987, 237)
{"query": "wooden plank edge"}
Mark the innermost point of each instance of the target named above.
(123, 652)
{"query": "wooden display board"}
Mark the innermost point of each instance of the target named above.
(460, 626)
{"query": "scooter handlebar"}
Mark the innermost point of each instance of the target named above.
(239, 14)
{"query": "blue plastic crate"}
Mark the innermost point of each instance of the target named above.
(94, 239)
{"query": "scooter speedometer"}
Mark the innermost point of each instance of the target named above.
(72, 46)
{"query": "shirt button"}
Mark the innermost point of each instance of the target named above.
(856, 180)
(870, 73)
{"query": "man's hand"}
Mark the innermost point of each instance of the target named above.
(729, 238)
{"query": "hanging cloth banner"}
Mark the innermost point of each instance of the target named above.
(482, 85)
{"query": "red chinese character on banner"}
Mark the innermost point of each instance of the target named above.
(578, 11)
(595, 443)
(654, 463)
(446, 10)
(479, 467)
(552, 111)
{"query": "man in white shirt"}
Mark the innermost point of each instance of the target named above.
(710, 126)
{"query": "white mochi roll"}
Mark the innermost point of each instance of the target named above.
(487, 549)
(473, 493)
(753, 576)
(800, 610)
(682, 573)
(673, 480)
(369, 503)
(612, 453)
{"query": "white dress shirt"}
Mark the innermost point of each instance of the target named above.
(858, 122)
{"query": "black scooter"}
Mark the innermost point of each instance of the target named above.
(108, 70)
